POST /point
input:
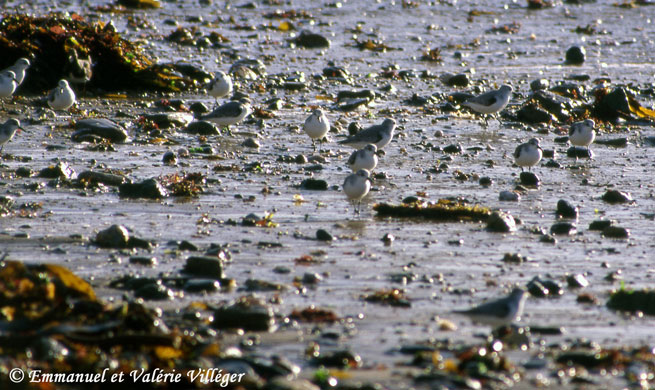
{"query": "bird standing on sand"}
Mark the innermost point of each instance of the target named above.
(7, 131)
(317, 126)
(582, 134)
(19, 68)
(501, 312)
(8, 84)
(379, 135)
(229, 113)
(356, 186)
(490, 102)
(365, 158)
(220, 86)
(528, 154)
(62, 97)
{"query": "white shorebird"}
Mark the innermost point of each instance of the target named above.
(528, 154)
(220, 86)
(356, 186)
(582, 133)
(500, 312)
(365, 158)
(229, 113)
(19, 68)
(317, 126)
(62, 97)
(8, 84)
(379, 135)
(490, 102)
(7, 131)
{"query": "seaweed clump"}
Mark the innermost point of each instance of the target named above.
(633, 301)
(118, 64)
(444, 210)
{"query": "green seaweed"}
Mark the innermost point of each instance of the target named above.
(632, 300)
(444, 210)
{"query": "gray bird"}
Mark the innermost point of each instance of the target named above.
(490, 102)
(7, 131)
(229, 113)
(19, 68)
(500, 312)
(379, 135)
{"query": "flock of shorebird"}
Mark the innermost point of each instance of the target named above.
(368, 142)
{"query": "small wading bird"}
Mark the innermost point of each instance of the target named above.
(356, 186)
(8, 85)
(490, 102)
(582, 134)
(220, 86)
(19, 68)
(62, 97)
(365, 158)
(316, 127)
(528, 154)
(379, 135)
(500, 312)
(229, 113)
(7, 131)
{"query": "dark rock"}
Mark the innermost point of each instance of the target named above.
(108, 179)
(501, 222)
(615, 196)
(202, 128)
(99, 127)
(169, 120)
(633, 300)
(60, 171)
(367, 94)
(311, 278)
(348, 105)
(600, 224)
(536, 289)
(513, 258)
(336, 72)
(300, 159)
(453, 149)
(311, 40)
(548, 239)
(531, 113)
(411, 199)
(587, 298)
(143, 260)
(575, 55)
(561, 140)
(577, 281)
(529, 179)
(154, 292)
(485, 181)
(566, 209)
(337, 359)
(294, 85)
(169, 158)
(539, 84)
(579, 152)
(354, 128)
(251, 143)
(616, 232)
(458, 80)
(149, 189)
(323, 235)
(554, 288)
(557, 105)
(563, 228)
(388, 239)
(186, 246)
(202, 285)
(204, 266)
(199, 108)
(115, 236)
(615, 142)
(263, 285)
(314, 184)
(24, 172)
(509, 196)
(552, 164)
(247, 313)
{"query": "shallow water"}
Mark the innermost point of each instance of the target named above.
(358, 261)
